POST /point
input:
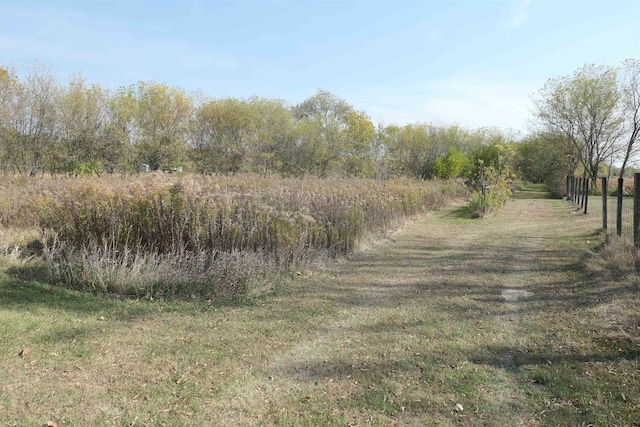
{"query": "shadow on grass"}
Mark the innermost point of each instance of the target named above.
(531, 195)
(31, 286)
(462, 212)
(453, 274)
(32, 295)
(608, 349)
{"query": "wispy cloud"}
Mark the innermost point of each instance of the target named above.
(519, 14)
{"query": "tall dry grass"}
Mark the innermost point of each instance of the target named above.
(209, 236)
(617, 259)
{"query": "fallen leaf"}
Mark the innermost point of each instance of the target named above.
(23, 352)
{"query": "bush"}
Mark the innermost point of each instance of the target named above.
(453, 165)
(497, 191)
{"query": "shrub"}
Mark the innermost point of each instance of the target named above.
(497, 191)
(453, 165)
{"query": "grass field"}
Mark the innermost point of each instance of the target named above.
(499, 316)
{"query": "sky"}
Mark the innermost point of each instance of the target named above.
(471, 63)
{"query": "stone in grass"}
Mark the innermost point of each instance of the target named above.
(458, 408)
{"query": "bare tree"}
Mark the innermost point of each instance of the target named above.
(30, 125)
(586, 108)
(630, 91)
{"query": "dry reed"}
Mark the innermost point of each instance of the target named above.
(203, 235)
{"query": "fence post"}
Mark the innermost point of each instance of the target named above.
(571, 189)
(568, 193)
(619, 207)
(586, 194)
(636, 209)
(578, 188)
(605, 211)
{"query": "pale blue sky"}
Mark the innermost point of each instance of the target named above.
(474, 63)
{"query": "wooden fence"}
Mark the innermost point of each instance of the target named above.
(620, 204)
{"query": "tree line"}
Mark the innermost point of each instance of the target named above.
(584, 123)
(79, 128)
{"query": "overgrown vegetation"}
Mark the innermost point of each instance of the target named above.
(493, 193)
(200, 235)
(394, 336)
(547, 158)
(398, 338)
(616, 259)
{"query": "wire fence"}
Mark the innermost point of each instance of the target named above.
(626, 226)
(620, 206)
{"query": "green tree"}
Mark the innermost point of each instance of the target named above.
(356, 148)
(453, 165)
(416, 151)
(547, 158)
(9, 88)
(118, 139)
(275, 138)
(419, 146)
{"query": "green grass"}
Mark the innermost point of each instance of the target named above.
(532, 191)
